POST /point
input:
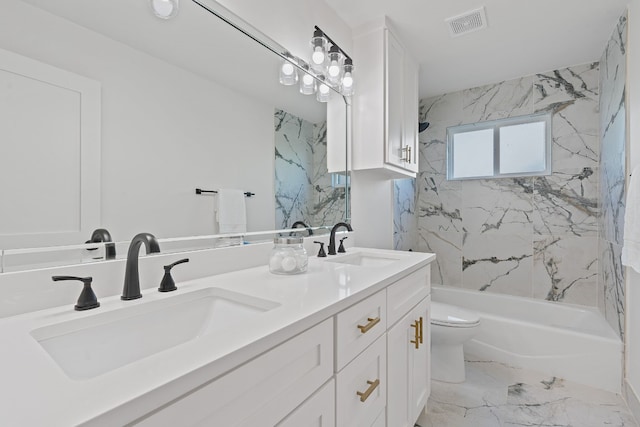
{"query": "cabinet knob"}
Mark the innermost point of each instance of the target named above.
(372, 386)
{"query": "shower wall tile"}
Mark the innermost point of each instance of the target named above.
(447, 268)
(497, 205)
(523, 236)
(440, 204)
(612, 179)
(445, 108)
(566, 203)
(613, 136)
(497, 101)
(565, 269)
(613, 291)
(501, 263)
(303, 189)
(556, 88)
(405, 224)
(293, 168)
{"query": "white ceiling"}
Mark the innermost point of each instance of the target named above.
(523, 36)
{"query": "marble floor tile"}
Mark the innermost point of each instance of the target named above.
(495, 394)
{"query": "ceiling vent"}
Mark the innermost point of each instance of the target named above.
(468, 22)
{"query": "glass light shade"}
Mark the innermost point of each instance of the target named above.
(307, 84)
(288, 74)
(164, 9)
(324, 93)
(318, 52)
(334, 69)
(346, 88)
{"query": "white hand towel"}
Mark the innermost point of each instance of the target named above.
(231, 211)
(631, 248)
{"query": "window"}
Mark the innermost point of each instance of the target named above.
(518, 146)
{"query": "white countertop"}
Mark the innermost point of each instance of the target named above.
(36, 392)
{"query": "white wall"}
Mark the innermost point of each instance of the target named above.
(158, 145)
(632, 335)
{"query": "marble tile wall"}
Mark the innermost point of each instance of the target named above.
(303, 188)
(534, 236)
(405, 222)
(612, 176)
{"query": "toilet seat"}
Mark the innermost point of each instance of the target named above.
(452, 316)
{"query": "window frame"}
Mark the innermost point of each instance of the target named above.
(545, 117)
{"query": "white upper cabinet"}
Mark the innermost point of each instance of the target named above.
(385, 131)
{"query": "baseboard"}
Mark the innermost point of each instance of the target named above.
(633, 402)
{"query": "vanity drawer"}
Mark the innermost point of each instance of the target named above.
(262, 391)
(403, 295)
(358, 326)
(361, 387)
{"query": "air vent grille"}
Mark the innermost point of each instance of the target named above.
(468, 22)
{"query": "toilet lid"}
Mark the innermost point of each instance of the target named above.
(450, 315)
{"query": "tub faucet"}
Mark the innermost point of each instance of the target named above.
(332, 238)
(131, 289)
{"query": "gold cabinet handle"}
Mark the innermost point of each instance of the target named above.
(372, 322)
(416, 340)
(372, 386)
(421, 330)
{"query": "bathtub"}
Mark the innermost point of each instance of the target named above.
(562, 340)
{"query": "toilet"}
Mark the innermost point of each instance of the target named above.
(451, 327)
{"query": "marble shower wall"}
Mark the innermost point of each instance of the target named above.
(532, 236)
(303, 189)
(612, 176)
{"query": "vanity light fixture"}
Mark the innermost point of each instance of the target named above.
(335, 65)
(164, 9)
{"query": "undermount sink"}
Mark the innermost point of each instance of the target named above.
(87, 347)
(367, 259)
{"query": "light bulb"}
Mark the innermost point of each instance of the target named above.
(318, 56)
(307, 82)
(324, 93)
(347, 81)
(334, 69)
(288, 75)
(164, 9)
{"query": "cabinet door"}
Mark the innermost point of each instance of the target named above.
(408, 372)
(361, 389)
(394, 120)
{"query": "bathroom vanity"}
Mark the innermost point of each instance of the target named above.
(345, 344)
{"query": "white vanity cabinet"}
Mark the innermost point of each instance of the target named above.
(367, 365)
(386, 103)
(408, 348)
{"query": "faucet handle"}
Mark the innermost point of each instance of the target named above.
(87, 299)
(168, 284)
(341, 248)
(321, 252)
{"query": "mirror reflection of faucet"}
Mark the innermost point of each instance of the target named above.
(102, 235)
(301, 223)
(131, 288)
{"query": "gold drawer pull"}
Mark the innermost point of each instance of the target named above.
(421, 331)
(416, 341)
(372, 322)
(372, 386)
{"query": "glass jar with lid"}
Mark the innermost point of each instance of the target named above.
(288, 256)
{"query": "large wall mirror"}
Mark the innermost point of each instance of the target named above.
(185, 103)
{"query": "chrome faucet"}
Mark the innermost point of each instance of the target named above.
(131, 289)
(332, 238)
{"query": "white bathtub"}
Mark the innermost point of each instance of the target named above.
(556, 339)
